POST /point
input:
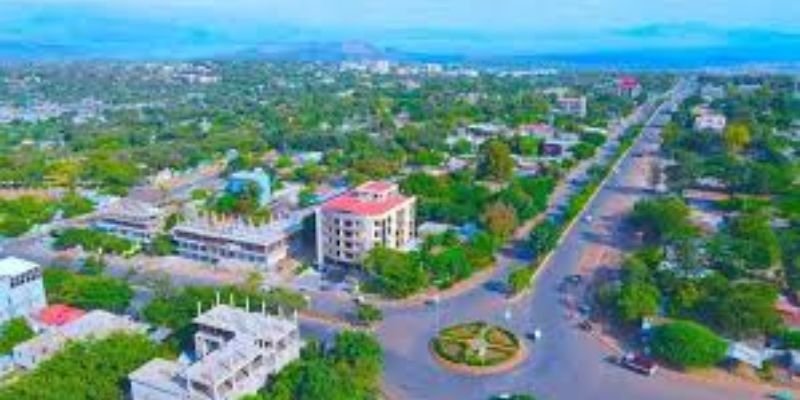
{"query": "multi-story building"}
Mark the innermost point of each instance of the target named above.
(373, 214)
(577, 105)
(236, 350)
(21, 288)
(218, 239)
(629, 86)
(96, 324)
(131, 219)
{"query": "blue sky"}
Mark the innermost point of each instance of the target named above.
(473, 15)
(486, 26)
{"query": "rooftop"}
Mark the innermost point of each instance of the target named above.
(160, 372)
(239, 230)
(13, 266)
(129, 208)
(59, 314)
(242, 322)
(369, 199)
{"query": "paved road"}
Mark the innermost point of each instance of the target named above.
(567, 363)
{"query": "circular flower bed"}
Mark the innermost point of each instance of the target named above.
(476, 344)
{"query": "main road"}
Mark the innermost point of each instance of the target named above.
(566, 363)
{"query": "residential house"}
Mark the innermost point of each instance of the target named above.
(97, 324)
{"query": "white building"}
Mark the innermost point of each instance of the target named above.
(220, 239)
(21, 288)
(576, 106)
(96, 324)
(237, 352)
(373, 214)
(131, 219)
(710, 121)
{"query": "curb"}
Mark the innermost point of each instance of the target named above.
(568, 228)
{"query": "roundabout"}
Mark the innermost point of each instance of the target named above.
(477, 348)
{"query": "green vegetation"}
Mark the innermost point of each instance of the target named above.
(176, 309)
(87, 291)
(351, 369)
(14, 332)
(18, 216)
(662, 220)
(476, 344)
(73, 205)
(368, 314)
(520, 279)
(686, 344)
(93, 241)
(94, 369)
(495, 161)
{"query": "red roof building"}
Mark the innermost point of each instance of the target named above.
(373, 214)
(59, 315)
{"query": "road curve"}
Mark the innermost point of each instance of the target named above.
(567, 363)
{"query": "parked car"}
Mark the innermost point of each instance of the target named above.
(585, 325)
(639, 363)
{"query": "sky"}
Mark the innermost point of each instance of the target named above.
(471, 15)
(476, 26)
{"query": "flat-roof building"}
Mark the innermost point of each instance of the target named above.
(577, 105)
(237, 351)
(217, 239)
(131, 219)
(373, 214)
(21, 288)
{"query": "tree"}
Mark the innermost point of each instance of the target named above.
(686, 344)
(394, 273)
(14, 332)
(500, 219)
(544, 237)
(350, 370)
(637, 300)
(93, 369)
(736, 137)
(87, 291)
(662, 220)
(495, 161)
(742, 310)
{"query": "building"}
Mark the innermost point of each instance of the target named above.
(570, 105)
(373, 214)
(97, 324)
(131, 219)
(710, 121)
(236, 350)
(628, 86)
(539, 130)
(21, 288)
(58, 315)
(238, 182)
(557, 146)
(222, 239)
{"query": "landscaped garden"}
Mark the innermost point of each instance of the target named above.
(477, 345)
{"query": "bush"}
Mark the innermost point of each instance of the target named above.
(87, 292)
(14, 332)
(687, 344)
(92, 240)
(367, 314)
(73, 205)
(520, 279)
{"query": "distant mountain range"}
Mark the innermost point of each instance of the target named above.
(67, 33)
